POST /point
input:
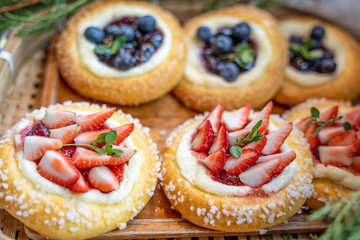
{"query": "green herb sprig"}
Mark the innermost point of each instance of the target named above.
(344, 216)
(106, 137)
(315, 118)
(304, 50)
(242, 56)
(253, 136)
(112, 46)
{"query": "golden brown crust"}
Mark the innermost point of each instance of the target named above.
(235, 214)
(204, 98)
(325, 190)
(344, 86)
(126, 90)
(60, 217)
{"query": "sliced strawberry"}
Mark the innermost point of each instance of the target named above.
(84, 158)
(126, 155)
(204, 138)
(94, 121)
(313, 141)
(214, 117)
(199, 155)
(68, 150)
(80, 186)
(57, 118)
(358, 135)
(103, 179)
(276, 138)
(221, 140)
(329, 132)
(301, 125)
(66, 134)
(263, 115)
(35, 147)
(257, 175)
(356, 164)
(236, 120)
(356, 147)
(118, 171)
(285, 159)
(258, 145)
(122, 133)
(58, 168)
(352, 117)
(344, 139)
(215, 161)
(329, 114)
(236, 166)
(238, 135)
(339, 156)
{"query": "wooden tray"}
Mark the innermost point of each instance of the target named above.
(158, 219)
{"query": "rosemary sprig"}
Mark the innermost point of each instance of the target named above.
(108, 138)
(344, 216)
(304, 50)
(242, 56)
(315, 118)
(253, 136)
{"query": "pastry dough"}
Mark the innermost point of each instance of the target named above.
(265, 78)
(140, 87)
(235, 213)
(68, 215)
(325, 189)
(342, 84)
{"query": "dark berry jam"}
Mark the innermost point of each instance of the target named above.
(140, 48)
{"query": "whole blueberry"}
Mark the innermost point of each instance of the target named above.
(315, 44)
(230, 71)
(204, 33)
(317, 32)
(127, 31)
(147, 24)
(113, 30)
(327, 66)
(222, 45)
(226, 31)
(242, 30)
(94, 34)
(123, 60)
(157, 40)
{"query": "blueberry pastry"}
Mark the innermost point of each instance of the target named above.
(237, 171)
(236, 56)
(75, 171)
(122, 52)
(323, 62)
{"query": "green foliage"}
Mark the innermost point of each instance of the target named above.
(112, 46)
(304, 50)
(243, 55)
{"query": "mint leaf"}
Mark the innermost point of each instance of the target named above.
(111, 137)
(295, 47)
(239, 62)
(236, 151)
(347, 126)
(247, 56)
(101, 49)
(118, 43)
(99, 150)
(316, 53)
(315, 113)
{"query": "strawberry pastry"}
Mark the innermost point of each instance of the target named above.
(238, 170)
(332, 130)
(77, 170)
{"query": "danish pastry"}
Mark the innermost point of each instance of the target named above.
(333, 136)
(76, 170)
(323, 62)
(232, 171)
(122, 52)
(236, 56)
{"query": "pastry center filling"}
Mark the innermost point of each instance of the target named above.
(229, 51)
(311, 54)
(238, 156)
(335, 145)
(126, 42)
(78, 154)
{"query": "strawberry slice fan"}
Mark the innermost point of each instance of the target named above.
(237, 171)
(75, 171)
(332, 130)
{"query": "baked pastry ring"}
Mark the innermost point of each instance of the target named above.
(340, 84)
(224, 208)
(81, 69)
(201, 89)
(56, 212)
(330, 183)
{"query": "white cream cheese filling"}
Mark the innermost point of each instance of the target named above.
(86, 48)
(197, 175)
(199, 75)
(309, 79)
(131, 173)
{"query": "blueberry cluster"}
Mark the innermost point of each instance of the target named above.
(142, 40)
(324, 63)
(219, 49)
